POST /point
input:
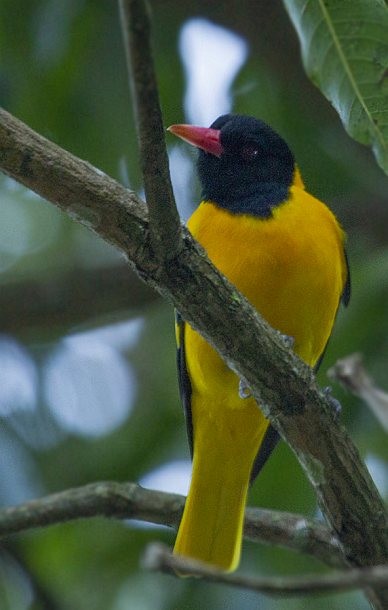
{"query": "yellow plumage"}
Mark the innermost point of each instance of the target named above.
(292, 268)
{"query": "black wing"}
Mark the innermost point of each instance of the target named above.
(272, 437)
(183, 378)
(270, 440)
(348, 286)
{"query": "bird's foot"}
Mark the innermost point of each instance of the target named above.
(334, 403)
(243, 390)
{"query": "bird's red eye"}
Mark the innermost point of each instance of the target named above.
(249, 152)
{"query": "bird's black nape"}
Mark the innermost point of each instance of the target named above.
(255, 170)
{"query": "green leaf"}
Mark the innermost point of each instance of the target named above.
(344, 47)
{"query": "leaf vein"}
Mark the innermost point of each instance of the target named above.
(348, 72)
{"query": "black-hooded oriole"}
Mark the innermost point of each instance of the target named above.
(284, 250)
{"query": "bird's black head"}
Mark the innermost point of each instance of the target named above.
(243, 164)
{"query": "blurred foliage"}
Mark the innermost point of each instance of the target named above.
(62, 71)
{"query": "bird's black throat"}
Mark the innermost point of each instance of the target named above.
(259, 201)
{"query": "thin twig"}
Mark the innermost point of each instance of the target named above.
(130, 501)
(165, 227)
(158, 558)
(294, 532)
(350, 372)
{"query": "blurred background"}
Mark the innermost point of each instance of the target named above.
(88, 387)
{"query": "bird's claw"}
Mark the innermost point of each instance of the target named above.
(334, 403)
(287, 340)
(243, 390)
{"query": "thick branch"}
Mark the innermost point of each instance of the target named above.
(165, 227)
(283, 385)
(158, 557)
(129, 500)
(80, 190)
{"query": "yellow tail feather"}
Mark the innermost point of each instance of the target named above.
(212, 522)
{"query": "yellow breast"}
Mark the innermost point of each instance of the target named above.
(291, 267)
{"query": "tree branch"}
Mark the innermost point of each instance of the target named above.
(80, 190)
(130, 501)
(294, 532)
(165, 226)
(158, 558)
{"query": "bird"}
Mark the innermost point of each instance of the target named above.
(285, 251)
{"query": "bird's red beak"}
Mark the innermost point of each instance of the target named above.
(202, 137)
